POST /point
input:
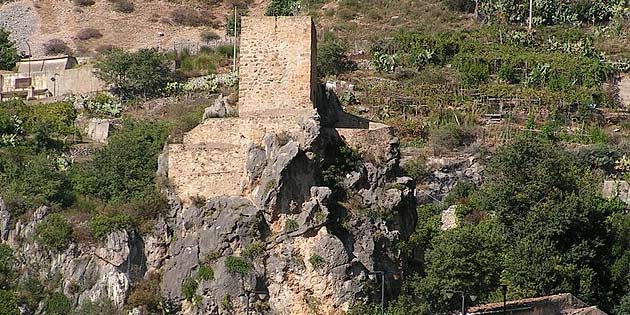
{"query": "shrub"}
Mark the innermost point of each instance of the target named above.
(209, 35)
(56, 46)
(129, 74)
(237, 265)
(291, 225)
(89, 33)
(8, 53)
(229, 25)
(58, 304)
(317, 261)
(84, 3)
(102, 306)
(126, 166)
(8, 303)
(225, 50)
(474, 72)
(331, 57)
(254, 250)
(7, 263)
(460, 5)
(416, 168)
(451, 136)
(189, 288)
(54, 232)
(147, 293)
(102, 225)
(205, 273)
(507, 73)
(190, 17)
(283, 7)
(123, 6)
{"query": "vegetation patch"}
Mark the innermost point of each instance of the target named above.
(54, 232)
(237, 265)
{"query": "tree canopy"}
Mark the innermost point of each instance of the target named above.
(8, 53)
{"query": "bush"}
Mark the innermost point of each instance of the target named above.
(317, 261)
(54, 232)
(254, 250)
(58, 304)
(283, 8)
(451, 136)
(237, 265)
(209, 35)
(102, 225)
(190, 17)
(124, 171)
(416, 169)
(102, 306)
(229, 25)
(189, 288)
(89, 33)
(147, 293)
(130, 74)
(84, 3)
(123, 6)
(466, 6)
(290, 225)
(8, 303)
(56, 47)
(7, 263)
(8, 53)
(474, 73)
(205, 273)
(331, 57)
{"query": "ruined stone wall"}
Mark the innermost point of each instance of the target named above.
(277, 73)
(277, 81)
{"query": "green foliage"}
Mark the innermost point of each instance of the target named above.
(30, 292)
(124, 170)
(451, 136)
(8, 303)
(549, 12)
(102, 225)
(283, 7)
(58, 304)
(147, 293)
(102, 306)
(8, 53)
(7, 263)
(473, 72)
(230, 24)
(342, 160)
(237, 265)
(254, 250)
(189, 288)
(624, 306)
(317, 261)
(290, 225)
(54, 232)
(142, 73)
(331, 57)
(205, 273)
(204, 63)
(465, 6)
(416, 168)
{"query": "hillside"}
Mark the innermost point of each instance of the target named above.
(424, 152)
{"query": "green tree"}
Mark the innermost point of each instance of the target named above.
(142, 73)
(7, 263)
(8, 303)
(124, 171)
(8, 53)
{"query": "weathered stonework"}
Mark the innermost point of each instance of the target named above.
(277, 81)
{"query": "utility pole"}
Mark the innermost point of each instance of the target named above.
(235, 40)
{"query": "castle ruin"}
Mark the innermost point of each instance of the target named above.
(277, 87)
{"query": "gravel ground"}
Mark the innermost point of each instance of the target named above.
(20, 19)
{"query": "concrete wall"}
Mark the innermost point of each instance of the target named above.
(71, 81)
